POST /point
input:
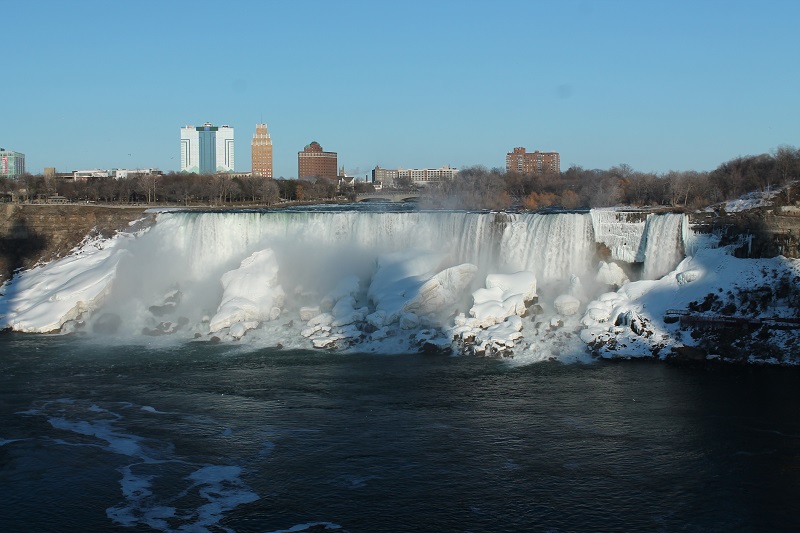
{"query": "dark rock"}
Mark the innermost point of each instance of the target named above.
(433, 349)
(688, 354)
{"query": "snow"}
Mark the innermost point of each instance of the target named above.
(646, 302)
(48, 296)
(504, 296)
(251, 294)
(567, 305)
(611, 274)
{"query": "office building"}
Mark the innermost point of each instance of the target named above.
(313, 162)
(533, 163)
(261, 152)
(12, 164)
(419, 177)
(207, 149)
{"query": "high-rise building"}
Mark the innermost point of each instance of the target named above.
(261, 152)
(313, 162)
(207, 149)
(534, 163)
(12, 164)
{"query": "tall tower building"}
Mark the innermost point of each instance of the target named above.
(313, 162)
(207, 149)
(261, 151)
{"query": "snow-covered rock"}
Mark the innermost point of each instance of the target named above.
(250, 293)
(523, 283)
(347, 287)
(567, 305)
(48, 296)
(611, 274)
(442, 290)
(687, 276)
(307, 313)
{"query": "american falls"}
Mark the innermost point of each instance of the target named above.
(503, 284)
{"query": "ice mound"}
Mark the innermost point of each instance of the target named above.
(408, 291)
(611, 274)
(495, 322)
(43, 299)
(251, 295)
(567, 305)
(505, 295)
(442, 290)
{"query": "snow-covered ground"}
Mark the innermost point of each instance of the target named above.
(712, 286)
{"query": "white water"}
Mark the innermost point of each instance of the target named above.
(315, 251)
(663, 244)
(622, 232)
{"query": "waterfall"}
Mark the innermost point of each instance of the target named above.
(188, 253)
(622, 232)
(663, 244)
(553, 246)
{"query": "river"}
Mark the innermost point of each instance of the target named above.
(202, 437)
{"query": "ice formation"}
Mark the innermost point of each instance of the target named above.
(486, 283)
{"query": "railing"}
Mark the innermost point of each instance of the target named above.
(714, 320)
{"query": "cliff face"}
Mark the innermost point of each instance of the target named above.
(764, 232)
(33, 233)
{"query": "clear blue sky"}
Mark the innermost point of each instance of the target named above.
(658, 85)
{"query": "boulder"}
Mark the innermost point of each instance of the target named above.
(567, 305)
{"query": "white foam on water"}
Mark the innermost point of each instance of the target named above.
(307, 526)
(220, 486)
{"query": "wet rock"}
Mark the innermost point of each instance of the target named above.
(688, 354)
(432, 348)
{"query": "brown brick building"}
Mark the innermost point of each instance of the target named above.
(312, 162)
(261, 152)
(533, 162)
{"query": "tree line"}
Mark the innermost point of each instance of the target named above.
(474, 188)
(576, 188)
(180, 189)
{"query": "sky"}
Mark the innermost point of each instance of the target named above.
(657, 85)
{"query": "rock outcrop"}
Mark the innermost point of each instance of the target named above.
(33, 233)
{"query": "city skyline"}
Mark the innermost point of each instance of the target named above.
(653, 85)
